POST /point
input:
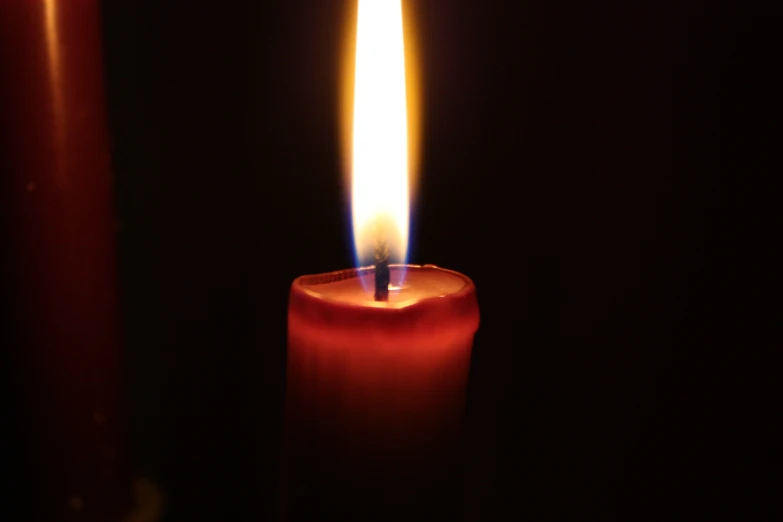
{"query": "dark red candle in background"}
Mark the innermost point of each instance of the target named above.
(61, 258)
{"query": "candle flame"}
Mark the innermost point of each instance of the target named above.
(379, 160)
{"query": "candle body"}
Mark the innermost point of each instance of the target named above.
(60, 259)
(375, 393)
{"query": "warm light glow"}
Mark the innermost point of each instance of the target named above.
(379, 183)
(53, 52)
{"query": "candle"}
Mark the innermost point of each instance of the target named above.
(60, 253)
(378, 357)
(376, 389)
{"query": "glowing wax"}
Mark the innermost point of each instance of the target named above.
(375, 390)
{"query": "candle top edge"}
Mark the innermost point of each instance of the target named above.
(411, 285)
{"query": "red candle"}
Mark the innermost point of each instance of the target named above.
(58, 205)
(376, 389)
(378, 357)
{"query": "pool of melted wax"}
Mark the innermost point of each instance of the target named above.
(418, 284)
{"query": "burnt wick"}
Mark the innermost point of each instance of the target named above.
(382, 275)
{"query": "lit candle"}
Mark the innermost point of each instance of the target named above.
(378, 357)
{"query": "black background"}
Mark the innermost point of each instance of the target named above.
(575, 158)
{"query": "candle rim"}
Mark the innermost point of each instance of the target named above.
(303, 283)
(453, 314)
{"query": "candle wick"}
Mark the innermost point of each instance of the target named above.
(382, 275)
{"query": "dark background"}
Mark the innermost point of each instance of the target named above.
(575, 158)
